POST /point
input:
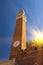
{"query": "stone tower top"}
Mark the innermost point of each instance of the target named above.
(21, 14)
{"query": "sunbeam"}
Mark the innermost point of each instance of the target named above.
(37, 35)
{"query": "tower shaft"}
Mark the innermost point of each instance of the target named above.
(19, 38)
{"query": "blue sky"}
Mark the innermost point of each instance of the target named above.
(8, 11)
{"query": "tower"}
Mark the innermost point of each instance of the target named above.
(19, 38)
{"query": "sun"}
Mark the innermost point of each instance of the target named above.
(39, 39)
(38, 36)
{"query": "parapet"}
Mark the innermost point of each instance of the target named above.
(21, 14)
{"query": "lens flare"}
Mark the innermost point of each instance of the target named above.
(38, 36)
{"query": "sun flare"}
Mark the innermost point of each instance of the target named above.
(38, 36)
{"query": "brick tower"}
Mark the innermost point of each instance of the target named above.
(19, 38)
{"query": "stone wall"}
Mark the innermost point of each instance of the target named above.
(9, 62)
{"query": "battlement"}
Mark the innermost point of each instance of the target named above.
(20, 14)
